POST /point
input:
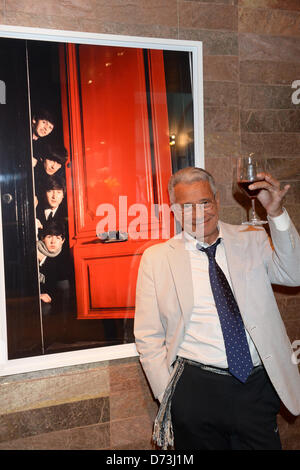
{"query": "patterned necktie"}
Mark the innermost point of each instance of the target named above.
(236, 345)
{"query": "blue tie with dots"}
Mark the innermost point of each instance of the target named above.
(236, 344)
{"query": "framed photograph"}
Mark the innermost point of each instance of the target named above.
(92, 127)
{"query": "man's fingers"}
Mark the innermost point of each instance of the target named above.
(273, 181)
(269, 179)
(267, 182)
(263, 185)
(285, 189)
(271, 188)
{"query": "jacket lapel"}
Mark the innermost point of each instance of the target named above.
(180, 266)
(236, 262)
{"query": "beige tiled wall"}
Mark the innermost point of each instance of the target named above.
(251, 57)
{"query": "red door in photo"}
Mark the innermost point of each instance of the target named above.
(112, 103)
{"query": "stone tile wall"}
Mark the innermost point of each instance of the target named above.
(105, 405)
(251, 58)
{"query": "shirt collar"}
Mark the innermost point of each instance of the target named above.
(47, 211)
(191, 242)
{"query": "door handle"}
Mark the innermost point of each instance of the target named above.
(7, 198)
(113, 236)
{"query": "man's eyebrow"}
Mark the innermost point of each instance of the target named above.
(199, 201)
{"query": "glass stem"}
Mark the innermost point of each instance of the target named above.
(254, 216)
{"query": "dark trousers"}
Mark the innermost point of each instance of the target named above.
(217, 412)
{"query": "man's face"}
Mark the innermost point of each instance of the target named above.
(42, 127)
(51, 166)
(53, 242)
(199, 209)
(54, 197)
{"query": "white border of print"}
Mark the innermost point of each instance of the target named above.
(15, 366)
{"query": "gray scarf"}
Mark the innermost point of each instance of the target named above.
(163, 430)
(44, 250)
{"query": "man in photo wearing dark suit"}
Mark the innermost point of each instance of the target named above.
(51, 204)
(43, 123)
(54, 269)
(51, 162)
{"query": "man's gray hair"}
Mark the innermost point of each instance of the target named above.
(189, 175)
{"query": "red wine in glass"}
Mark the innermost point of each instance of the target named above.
(246, 174)
(244, 185)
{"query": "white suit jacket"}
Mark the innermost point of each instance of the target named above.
(164, 303)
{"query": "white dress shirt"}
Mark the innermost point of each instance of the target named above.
(49, 211)
(203, 341)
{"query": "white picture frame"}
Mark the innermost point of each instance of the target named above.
(63, 359)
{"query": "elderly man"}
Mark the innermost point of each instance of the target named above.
(207, 327)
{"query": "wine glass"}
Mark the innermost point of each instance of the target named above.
(246, 174)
